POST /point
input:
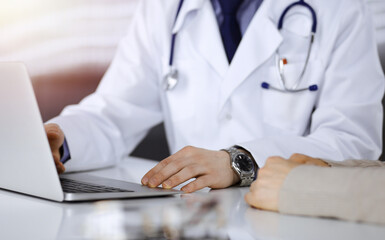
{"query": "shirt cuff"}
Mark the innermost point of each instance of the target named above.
(64, 152)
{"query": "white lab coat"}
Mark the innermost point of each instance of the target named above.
(216, 105)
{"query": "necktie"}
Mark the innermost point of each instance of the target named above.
(230, 31)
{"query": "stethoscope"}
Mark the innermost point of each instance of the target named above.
(171, 78)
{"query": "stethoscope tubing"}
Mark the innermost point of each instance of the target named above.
(171, 79)
(280, 67)
(304, 4)
(174, 35)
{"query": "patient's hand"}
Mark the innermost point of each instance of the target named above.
(264, 192)
(303, 159)
(55, 138)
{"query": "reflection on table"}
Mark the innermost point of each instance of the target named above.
(217, 214)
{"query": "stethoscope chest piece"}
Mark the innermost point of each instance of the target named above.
(170, 80)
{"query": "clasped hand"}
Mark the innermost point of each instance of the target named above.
(264, 192)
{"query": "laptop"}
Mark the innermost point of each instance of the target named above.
(26, 162)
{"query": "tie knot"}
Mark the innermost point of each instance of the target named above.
(230, 7)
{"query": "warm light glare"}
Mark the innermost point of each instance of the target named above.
(49, 35)
(18, 10)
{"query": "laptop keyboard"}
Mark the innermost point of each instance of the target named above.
(73, 186)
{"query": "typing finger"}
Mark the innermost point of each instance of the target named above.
(183, 175)
(59, 167)
(199, 183)
(162, 164)
(169, 170)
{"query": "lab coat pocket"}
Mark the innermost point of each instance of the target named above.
(287, 110)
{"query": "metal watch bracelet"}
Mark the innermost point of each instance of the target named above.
(246, 178)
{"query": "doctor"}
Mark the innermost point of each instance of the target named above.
(232, 80)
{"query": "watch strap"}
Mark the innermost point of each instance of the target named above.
(246, 178)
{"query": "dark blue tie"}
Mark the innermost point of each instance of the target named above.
(230, 31)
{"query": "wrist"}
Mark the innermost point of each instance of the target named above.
(236, 178)
(233, 176)
(243, 166)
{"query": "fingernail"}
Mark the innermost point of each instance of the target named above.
(152, 183)
(145, 181)
(167, 184)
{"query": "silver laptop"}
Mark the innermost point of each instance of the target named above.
(26, 162)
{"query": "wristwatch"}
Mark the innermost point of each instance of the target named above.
(243, 165)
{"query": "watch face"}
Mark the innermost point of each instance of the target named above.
(244, 163)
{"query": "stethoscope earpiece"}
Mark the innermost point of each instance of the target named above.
(311, 88)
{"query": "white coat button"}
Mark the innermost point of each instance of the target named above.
(228, 116)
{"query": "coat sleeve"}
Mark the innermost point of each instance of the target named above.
(347, 119)
(355, 163)
(108, 124)
(353, 194)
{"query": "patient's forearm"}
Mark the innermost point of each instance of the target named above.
(354, 194)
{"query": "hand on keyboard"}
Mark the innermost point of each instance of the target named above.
(55, 138)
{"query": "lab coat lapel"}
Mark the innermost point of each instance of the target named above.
(206, 38)
(187, 7)
(258, 44)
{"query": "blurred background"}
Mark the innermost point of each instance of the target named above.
(67, 46)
